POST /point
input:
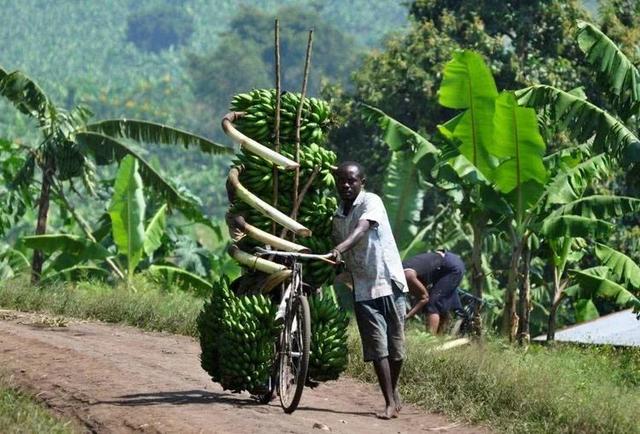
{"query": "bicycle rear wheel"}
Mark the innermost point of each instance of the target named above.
(294, 357)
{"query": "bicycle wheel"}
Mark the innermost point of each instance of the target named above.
(294, 358)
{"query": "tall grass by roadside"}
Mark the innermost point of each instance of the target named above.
(149, 307)
(564, 389)
(20, 413)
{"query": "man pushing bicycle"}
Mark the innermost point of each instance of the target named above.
(365, 243)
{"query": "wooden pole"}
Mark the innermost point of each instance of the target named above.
(307, 62)
(276, 139)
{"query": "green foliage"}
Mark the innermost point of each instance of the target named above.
(520, 390)
(152, 307)
(158, 28)
(613, 67)
(175, 276)
(20, 412)
(403, 78)
(127, 213)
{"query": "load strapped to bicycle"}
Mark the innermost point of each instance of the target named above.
(270, 331)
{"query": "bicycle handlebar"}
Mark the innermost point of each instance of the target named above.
(265, 252)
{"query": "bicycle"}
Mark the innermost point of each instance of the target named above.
(293, 344)
(463, 322)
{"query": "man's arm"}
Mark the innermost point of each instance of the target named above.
(358, 233)
(418, 290)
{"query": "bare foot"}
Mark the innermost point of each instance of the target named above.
(389, 412)
(396, 398)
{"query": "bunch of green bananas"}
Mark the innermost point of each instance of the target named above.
(237, 337)
(68, 159)
(329, 352)
(259, 120)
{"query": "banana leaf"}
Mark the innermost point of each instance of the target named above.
(519, 146)
(586, 310)
(75, 273)
(613, 66)
(468, 85)
(600, 207)
(181, 278)
(150, 132)
(80, 247)
(403, 196)
(594, 282)
(584, 120)
(569, 185)
(623, 267)
(155, 230)
(574, 226)
(127, 213)
(26, 96)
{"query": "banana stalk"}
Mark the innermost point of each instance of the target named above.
(253, 262)
(236, 189)
(239, 228)
(252, 146)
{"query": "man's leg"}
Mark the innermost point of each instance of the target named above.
(383, 371)
(395, 367)
(433, 321)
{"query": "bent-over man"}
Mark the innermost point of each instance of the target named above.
(433, 279)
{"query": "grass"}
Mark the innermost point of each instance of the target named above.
(149, 307)
(19, 413)
(562, 389)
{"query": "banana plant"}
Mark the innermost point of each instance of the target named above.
(70, 145)
(584, 120)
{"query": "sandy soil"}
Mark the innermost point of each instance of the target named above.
(118, 379)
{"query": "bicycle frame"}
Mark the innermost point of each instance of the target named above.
(293, 346)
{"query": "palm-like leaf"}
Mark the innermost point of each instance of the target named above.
(107, 150)
(400, 137)
(151, 132)
(595, 282)
(127, 213)
(600, 207)
(181, 278)
(154, 231)
(557, 226)
(584, 120)
(519, 146)
(402, 196)
(569, 185)
(79, 247)
(26, 95)
(622, 266)
(613, 66)
(468, 84)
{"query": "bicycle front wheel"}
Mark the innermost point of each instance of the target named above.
(294, 357)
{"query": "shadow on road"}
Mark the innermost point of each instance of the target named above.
(180, 397)
(184, 397)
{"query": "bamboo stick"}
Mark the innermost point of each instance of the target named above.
(305, 76)
(277, 118)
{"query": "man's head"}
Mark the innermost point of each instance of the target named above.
(350, 179)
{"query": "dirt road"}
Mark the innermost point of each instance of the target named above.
(118, 379)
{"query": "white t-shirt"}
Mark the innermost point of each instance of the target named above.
(374, 262)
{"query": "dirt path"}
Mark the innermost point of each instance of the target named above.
(112, 378)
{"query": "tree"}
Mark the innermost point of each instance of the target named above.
(244, 56)
(70, 144)
(158, 28)
(403, 79)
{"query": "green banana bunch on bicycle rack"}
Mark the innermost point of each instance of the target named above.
(237, 333)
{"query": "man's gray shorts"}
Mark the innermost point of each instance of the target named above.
(381, 326)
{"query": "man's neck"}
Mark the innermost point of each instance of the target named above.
(346, 206)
